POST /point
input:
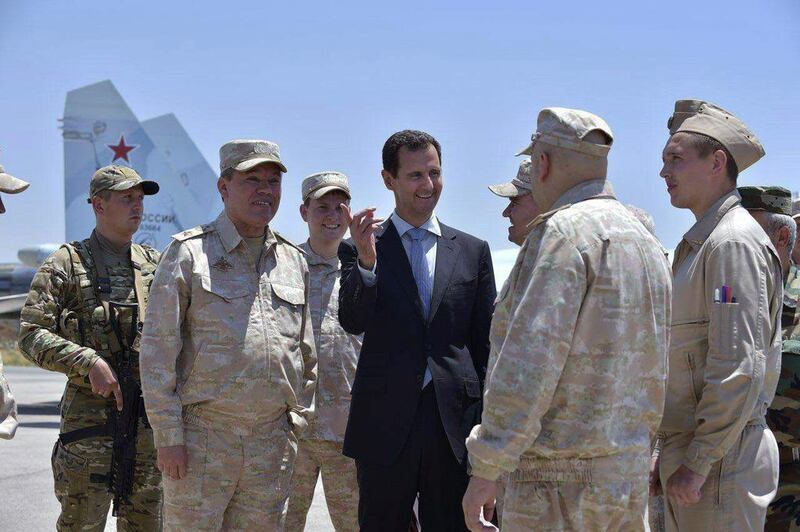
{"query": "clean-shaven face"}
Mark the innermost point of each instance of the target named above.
(252, 197)
(417, 185)
(325, 217)
(521, 211)
(122, 211)
(685, 173)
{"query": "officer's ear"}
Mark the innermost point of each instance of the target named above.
(304, 211)
(97, 204)
(222, 186)
(542, 166)
(783, 238)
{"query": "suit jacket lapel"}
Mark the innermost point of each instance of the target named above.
(393, 258)
(447, 251)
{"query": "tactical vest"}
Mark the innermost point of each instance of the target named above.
(87, 321)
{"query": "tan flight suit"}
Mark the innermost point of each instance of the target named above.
(320, 449)
(724, 363)
(577, 368)
(229, 370)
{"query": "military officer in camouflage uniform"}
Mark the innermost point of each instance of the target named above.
(772, 208)
(320, 450)
(8, 406)
(579, 343)
(228, 359)
(70, 324)
(718, 460)
(522, 208)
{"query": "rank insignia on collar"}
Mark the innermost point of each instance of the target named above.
(222, 265)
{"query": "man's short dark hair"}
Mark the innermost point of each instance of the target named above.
(413, 140)
(227, 174)
(705, 146)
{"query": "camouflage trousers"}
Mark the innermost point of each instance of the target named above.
(602, 493)
(78, 466)
(232, 482)
(784, 511)
(574, 506)
(737, 490)
(315, 458)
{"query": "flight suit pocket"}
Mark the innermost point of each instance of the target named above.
(725, 329)
(694, 375)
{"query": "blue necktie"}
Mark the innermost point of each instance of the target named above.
(419, 267)
(422, 276)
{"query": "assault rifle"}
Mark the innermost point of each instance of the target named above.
(123, 424)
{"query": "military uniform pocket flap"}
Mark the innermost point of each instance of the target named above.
(226, 289)
(290, 294)
(67, 460)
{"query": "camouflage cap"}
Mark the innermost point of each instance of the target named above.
(242, 155)
(567, 128)
(519, 186)
(10, 184)
(116, 177)
(705, 118)
(769, 199)
(317, 185)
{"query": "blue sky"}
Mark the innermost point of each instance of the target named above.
(331, 81)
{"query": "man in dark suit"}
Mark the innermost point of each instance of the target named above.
(423, 294)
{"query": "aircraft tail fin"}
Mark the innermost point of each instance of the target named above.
(99, 129)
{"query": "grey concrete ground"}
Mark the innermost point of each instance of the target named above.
(27, 502)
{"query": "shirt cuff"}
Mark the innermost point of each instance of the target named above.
(480, 469)
(85, 360)
(700, 465)
(168, 437)
(368, 277)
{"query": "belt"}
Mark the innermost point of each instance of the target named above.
(789, 455)
(615, 468)
(194, 416)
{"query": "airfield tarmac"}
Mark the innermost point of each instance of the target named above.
(26, 480)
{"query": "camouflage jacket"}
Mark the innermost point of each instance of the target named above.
(64, 324)
(337, 350)
(725, 353)
(783, 416)
(8, 408)
(790, 321)
(227, 343)
(578, 346)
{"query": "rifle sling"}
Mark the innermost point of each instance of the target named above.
(96, 431)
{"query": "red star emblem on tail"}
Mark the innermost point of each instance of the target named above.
(121, 150)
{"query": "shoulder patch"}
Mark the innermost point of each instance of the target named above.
(145, 252)
(193, 232)
(287, 241)
(542, 218)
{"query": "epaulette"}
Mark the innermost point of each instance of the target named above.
(287, 241)
(193, 232)
(145, 252)
(542, 218)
